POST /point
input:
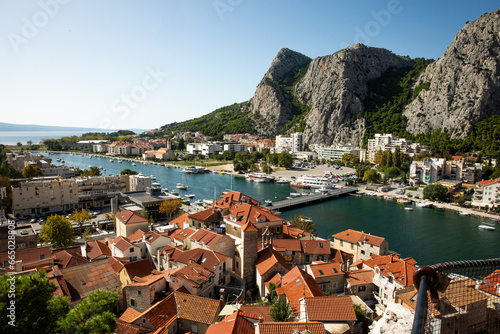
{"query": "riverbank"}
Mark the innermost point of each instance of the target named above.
(445, 206)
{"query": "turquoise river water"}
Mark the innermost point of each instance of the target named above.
(430, 236)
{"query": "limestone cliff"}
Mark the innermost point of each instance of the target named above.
(463, 85)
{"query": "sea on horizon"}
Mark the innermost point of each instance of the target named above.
(13, 137)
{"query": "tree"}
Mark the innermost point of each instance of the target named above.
(371, 175)
(380, 158)
(19, 144)
(37, 311)
(87, 234)
(145, 213)
(266, 168)
(285, 159)
(281, 311)
(58, 231)
(128, 171)
(32, 171)
(436, 192)
(170, 207)
(93, 315)
(392, 172)
(80, 217)
(305, 224)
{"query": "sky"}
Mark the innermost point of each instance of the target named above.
(120, 64)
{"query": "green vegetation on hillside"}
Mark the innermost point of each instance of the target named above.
(387, 96)
(230, 119)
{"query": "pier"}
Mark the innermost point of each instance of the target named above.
(292, 203)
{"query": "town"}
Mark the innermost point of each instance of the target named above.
(233, 265)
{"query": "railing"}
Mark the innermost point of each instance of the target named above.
(458, 297)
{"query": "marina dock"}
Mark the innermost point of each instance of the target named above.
(292, 203)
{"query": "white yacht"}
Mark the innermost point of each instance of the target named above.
(314, 182)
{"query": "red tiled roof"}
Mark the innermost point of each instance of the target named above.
(196, 308)
(208, 237)
(244, 213)
(130, 217)
(326, 269)
(124, 328)
(236, 323)
(136, 236)
(249, 227)
(31, 258)
(205, 257)
(401, 269)
(267, 258)
(68, 257)
(291, 327)
(235, 197)
(491, 283)
(332, 308)
(360, 277)
(151, 236)
(123, 243)
(85, 278)
(96, 248)
(192, 274)
(204, 215)
(488, 182)
(115, 264)
(129, 315)
(321, 247)
(181, 220)
(258, 310)
(139, 268)
(182, 234)
(297, 284)
(148, 280)
(293, 232)
(356, 236)
(160, 314)
(283, 245)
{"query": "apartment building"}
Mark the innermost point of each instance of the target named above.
(291, 144)
(336, 153)
(361, 245)
(487, 193)
(427, 171)
(384, 142)
(97, 191)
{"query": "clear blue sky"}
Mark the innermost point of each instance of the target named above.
(141, 64)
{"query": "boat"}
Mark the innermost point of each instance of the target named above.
(403, 201)
(111, 160)
(198, 202)
(152, 177)
(495, 219)
(268, 202)
(190, 170)
(174, 192)
(189, 195)
(281, 181)
(409, 208)
(155, 185)
(181, 186)
(258, 177)
(300, 185)
(486, 227)
(164, 190)
(134, 164)
(464, 213)
(312, 182)
(295, 194)
(424, 205)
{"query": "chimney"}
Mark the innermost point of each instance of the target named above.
(261, 319)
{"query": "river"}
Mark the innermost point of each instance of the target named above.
(430, 236)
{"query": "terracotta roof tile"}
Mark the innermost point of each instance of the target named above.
(332, 308)
(297, 284)
(160, 314)
(71, 256)
(290, 245)
(130, 217)
(115, 264)
(209, 238)
(136, 236)
(401, 269)
(356, 236)
(321, 247)
(360, 277)
(196, 308)
(488, 182)
(205, 257)
(293, 232)
(267, 258)
(258, 310)
(180, 221)
(236, 323)
(204, 215)
(147, 280)
(123, 244)
(182, 234)
(139, 268)
(96, 248)
(193, 274)
(291, 327)
(244, 213)
(85, 278)
(129, 315)
(233, 197)
(326, 269)
(491, 283)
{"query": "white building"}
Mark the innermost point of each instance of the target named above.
(427, 171)
(291, 144)
(139, 183)
(385, 142)
(336, 153)
(235, 147)
(487, 193)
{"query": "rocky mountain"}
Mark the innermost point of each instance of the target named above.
(463, 86)
(346, 97)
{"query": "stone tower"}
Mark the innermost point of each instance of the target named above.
(250, 239)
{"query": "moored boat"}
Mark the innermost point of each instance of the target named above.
(486, 227)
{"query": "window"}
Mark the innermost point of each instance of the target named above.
(341, 243)
(278, 229)
(237, 265)
(139, 292)
(132, 302)
(363, 252)
(352, 246)
(42, 256)
(194, 328)
(131, 249)
(362, 288)
(308, 258)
